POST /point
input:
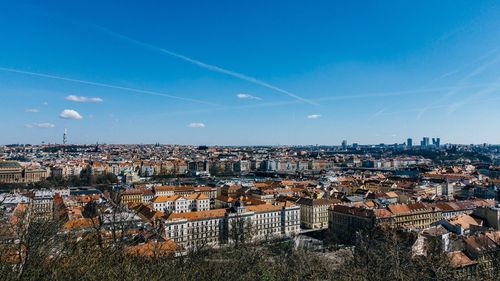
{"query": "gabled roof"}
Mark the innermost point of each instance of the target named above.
(435, 230)
(382, 213)
(313, 202)
(152, 249)
(494, 236)
(459, 259)
(480, 243)
(355, 211)
(164, 188)
(465, 221)
(263, 208)
(159, 199)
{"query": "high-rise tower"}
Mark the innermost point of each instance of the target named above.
(65, 136)
(409, 142)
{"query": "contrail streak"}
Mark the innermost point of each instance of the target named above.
(490, 89)
(210, 67)
(335, 98)
(104, 85)
(465, 66)
(478, 70)
(440, 106)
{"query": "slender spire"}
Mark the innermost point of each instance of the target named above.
(65, 136)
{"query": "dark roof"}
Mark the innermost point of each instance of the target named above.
(355, 211)
(314, 202)
(9, 164)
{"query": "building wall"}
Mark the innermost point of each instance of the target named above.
(182, 205)
(419, 219)
(314, 216)
(131, 198)
(216, 231)
(345, 226)
(20, 175)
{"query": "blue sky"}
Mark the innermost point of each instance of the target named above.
(249, 72)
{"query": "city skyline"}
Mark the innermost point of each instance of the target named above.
(250, 73)
(425, 141)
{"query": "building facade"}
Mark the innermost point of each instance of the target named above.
(181, 203)
(13, 172)
(237, 224)
(314, 212)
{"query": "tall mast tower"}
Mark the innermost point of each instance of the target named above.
(65, 136)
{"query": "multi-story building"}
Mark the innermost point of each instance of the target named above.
(41, 205)
(133, 195)
(10, 172)
(210, 192)
(416, 215)
(181, 203)
(199, 167)
(242, 166)
(409, 142)
(164, 190)
(346, 221)
(224, 226)
(13, 172)
(314, 212)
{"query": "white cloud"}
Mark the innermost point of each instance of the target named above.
(40, 125)
(83, 99)
(70, 114)
(196, 125)
(247, 96)
(45, 103)
(313, 116)
(32, 110)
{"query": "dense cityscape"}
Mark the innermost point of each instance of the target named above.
(282, 140)
(172, 200)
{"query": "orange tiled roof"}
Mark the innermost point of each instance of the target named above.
(159, 199)
(494, 236)
(216, 213)
(164, 188)
(263, 208)
(459, 259)
(391, 194)
(398, 208)
(78, 223)
(465, 221)
(382, 213)
(152, 249)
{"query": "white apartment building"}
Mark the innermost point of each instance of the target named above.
(181, 203)
(215, 227)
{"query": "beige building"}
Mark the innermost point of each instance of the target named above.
(133, 195)
(417, 215)
(10, 172)
(13, 172)
(314, 212)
